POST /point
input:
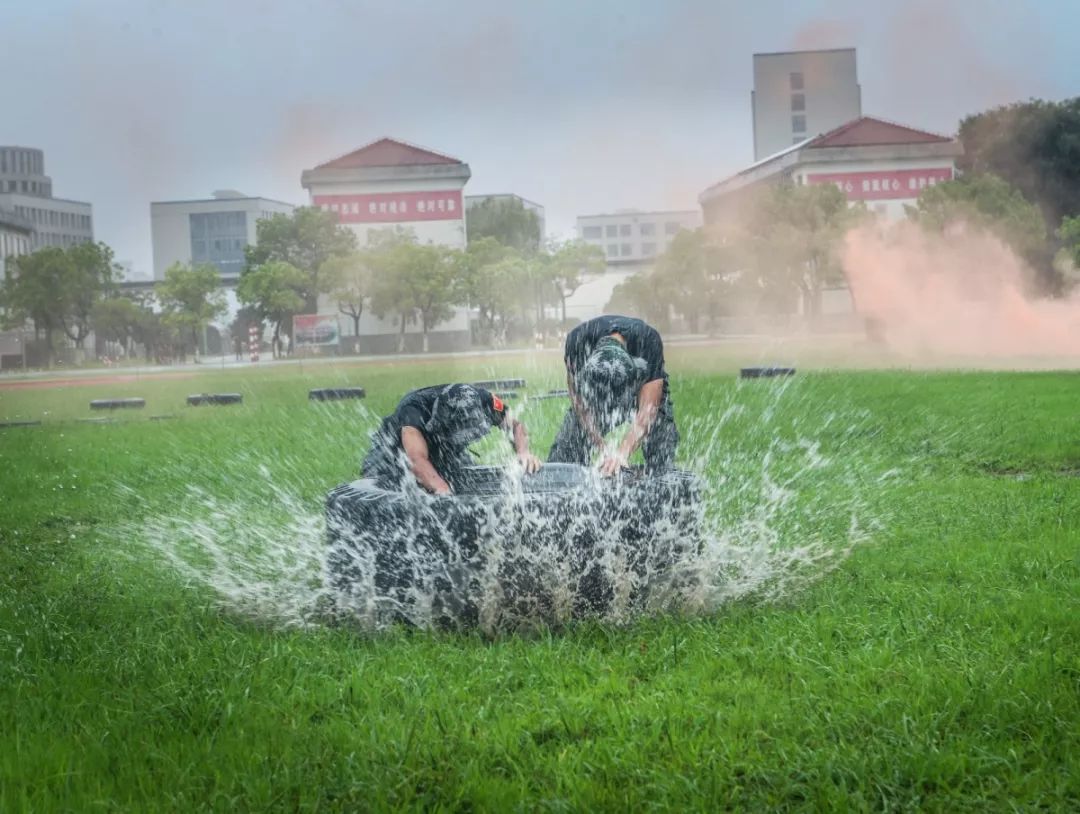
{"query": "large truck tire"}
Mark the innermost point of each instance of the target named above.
(504, 551)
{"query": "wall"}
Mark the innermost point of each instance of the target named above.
(830, 90)
(890, 207)
(635, 241)
(170, 225)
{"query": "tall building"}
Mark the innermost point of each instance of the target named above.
(632, 238)
(390, 184)
(16, 234)
(801, 94)
(209, 230)
(472, 201)
(26, 190)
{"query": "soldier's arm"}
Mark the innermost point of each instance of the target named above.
(582, 412)
(416, 450)
(520, 440)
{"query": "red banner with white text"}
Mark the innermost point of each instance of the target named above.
(885, 185)
(393, 207)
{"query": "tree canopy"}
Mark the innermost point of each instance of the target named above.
(1034, 146)
(190, 298)
(988, 202)
(273, 291)
(305, 239)
(58, 289)
(791, 239)
(506, 220)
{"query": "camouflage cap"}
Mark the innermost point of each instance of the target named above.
(610, 376)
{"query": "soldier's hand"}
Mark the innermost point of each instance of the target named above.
(611, 463)
(529, 462)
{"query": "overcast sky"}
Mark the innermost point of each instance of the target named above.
(581, 106)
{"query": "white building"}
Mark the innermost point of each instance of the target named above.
(878, 163)
(632, 238)
(210, 230)
(883, 164)
(801, 93)
(26, 191)
(16, 238)
(631, 241)
(389, 184)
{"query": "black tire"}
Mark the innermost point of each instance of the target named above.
(214, 398)
(117, 404)
(336, 393)
(501, 384)
(503, 552)
(552, 394)
(765, 372)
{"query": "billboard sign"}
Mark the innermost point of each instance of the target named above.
(885, 185)
(393, 207)
(315, 329)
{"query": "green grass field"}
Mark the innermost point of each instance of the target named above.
(935, 667)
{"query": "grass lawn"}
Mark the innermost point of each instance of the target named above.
(934, 667)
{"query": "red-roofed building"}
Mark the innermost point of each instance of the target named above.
(385, 185)
(389, 183)
(881, 163)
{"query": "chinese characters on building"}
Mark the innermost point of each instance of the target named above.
(391, 207)
(871, 186)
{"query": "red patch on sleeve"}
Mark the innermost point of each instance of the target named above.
(496, 402)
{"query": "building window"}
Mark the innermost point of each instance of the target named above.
(219, 238)
(612, 230)
(624, 230)
(612, 250)
(627, 250)
(798, 124)
(23, 185)
(592, 232)
(648, 249)
(647, 229)
(798, 102)
(671, 228)
(797, 80)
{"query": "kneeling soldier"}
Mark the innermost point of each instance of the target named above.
(429, 433)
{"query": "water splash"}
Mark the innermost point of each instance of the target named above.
(781, 504)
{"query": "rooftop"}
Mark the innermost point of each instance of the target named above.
(865, 131)
(803, 51)
(387, 152)
(217, 199)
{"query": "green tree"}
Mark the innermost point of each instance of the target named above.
(644, 295)
(274, 291)
(988, 202)
(190, 298)
(567, 263)
(35, 288)
(791, 239)
(91, 276)
(507, 221)
(486, 280)
(415, 284)
(1033, 146)
(118, 319)
(348, 276)
(305, 239)
(693, 273)
(1069, 234)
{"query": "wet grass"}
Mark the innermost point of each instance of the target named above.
(938, 668)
